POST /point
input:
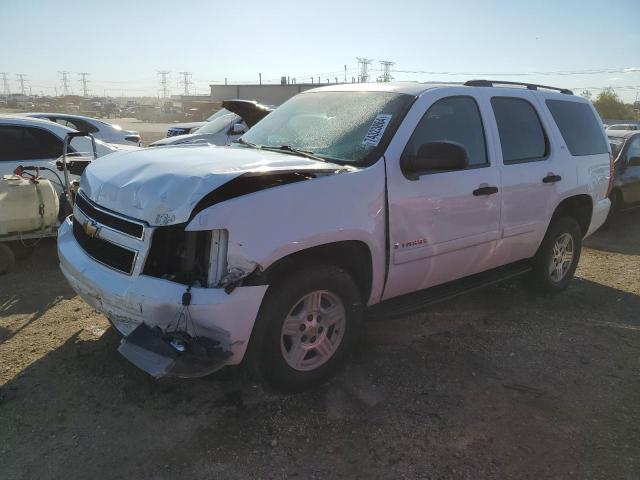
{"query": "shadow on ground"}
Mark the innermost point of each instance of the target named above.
(621, 235)
(34, 286)
(500, 384)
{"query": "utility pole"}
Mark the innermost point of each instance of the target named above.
(345, 74)
(65, 81)
(186, 81)
(5, 83)
(163, 82)
(22, 81)
(260, 76)
(84, 81)
(386, 71)
(363, 65)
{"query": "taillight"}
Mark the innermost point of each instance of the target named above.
(610, 187)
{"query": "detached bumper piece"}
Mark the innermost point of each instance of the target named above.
(175, 354)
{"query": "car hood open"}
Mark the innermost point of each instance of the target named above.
(162, 185)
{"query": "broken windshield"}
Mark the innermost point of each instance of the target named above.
(344, 126)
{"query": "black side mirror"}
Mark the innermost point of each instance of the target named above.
(434, 157)
(634, 162)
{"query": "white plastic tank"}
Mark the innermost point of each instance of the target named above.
(27, 207)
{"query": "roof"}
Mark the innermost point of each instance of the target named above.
(60, 130)
(418, 88)
(626, 134)
(59, 115)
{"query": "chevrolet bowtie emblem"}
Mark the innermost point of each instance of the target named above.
(91, 228)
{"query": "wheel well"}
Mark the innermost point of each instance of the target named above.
(579, 207)
(353, 256)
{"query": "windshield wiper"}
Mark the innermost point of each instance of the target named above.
(242, 141)
(296, 151)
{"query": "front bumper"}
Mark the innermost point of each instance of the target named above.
(130, 300)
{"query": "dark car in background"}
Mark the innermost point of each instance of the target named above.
(625, 147)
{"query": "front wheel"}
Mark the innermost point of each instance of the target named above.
(557, 259)
(306, 327)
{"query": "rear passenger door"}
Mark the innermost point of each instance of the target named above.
(530, 171)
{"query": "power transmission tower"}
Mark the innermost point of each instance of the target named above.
(22, 81)
(163, 82)
(84, 81)
(386, 71)
(363, 65)
(186, 81)
(65, 81)
(5, 83)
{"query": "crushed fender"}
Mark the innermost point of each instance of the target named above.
(175, 354)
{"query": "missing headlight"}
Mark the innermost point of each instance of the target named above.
(179, 255)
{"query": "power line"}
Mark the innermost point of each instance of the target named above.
(186, 81)
(386, 71)
(65, 81)
(5, 83)
(22, 81)
(363, 65)
(163, 82)
(84, 81)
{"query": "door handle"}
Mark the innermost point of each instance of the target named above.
(551, 178)
(485, 190)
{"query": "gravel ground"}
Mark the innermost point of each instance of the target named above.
(499, 384)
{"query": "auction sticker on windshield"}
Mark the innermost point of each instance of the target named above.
(376, 130)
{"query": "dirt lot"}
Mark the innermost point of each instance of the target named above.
(498, 384)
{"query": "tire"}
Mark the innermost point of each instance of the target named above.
(311, 302)
(562, 230)
(7, 258)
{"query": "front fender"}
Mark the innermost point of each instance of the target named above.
(268, 225)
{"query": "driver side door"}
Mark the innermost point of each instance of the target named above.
(443, 225)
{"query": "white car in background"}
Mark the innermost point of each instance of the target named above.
(104, 131)
(31, 141)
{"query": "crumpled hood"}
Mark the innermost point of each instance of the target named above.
(162, 185)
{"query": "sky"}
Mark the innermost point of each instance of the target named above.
(587, 44)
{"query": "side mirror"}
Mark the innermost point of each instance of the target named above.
(238, 128)
(634, 162)
(435, 157)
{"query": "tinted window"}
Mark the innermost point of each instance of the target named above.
(26, 143)
(579, 127)
(634, 149)
(521, 134)
(453, 119)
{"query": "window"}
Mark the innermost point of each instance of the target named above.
(521, 134)
(634, 148)
(77, 124)
(453, 119)
(579, 127)
(27, 143)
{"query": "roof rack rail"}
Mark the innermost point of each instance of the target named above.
(530, 86)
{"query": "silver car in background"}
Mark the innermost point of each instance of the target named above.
(104, 131)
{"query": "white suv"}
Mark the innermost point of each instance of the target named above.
(344, 198)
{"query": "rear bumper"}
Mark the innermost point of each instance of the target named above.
(129, 301)
(599, 215)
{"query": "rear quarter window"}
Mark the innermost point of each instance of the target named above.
(579, 127)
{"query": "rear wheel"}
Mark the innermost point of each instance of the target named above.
(557, 259)
(7, 258)
(305, 328)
